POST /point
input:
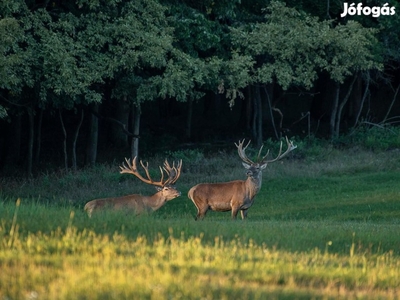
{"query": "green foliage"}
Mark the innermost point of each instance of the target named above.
(3, 112)
(61, 55)
(187, 156)
(67, 262)
(331, 219)
(292, 47)
(376, 138)
(14, 59)
(307, 148)
(389, 36)
(195, 34)
(316, 227)
(154, 56)
(350, 48)
(182, 75)
(73, 53)
(156, 67)
(235, 75)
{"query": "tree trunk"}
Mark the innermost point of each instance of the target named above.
(16, 138)
(31, 137)
(74, 161)
(258, 134)
(341, 106)
(120, 113)
(364, 97)
(136, 130)
(249, 109)
(334, 111)
(328, 16)
(65, 141)
(91, 146)
(321, 103)
(39, 137)
(355, 99)
(189, 119)
(391, 104)
(271, 113)
(253, 116)
(279, 112)
(269, 90)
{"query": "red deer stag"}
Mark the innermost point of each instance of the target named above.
(138, 203)
(234, 195)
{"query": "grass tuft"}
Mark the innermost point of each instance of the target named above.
(324, 226)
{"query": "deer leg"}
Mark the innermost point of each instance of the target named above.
(235, 211)
(201, 212)
(243, 212)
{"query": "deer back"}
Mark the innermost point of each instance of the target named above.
(134, 203)
(138, 203)
(234, 195)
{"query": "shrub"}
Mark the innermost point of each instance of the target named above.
(374, 137)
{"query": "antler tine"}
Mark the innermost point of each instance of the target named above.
(169, 172)
(122, 167)
(146, 169)
(167, 166)
(128, 168)
(131, 168)
(162, 177)
(173, 172)
(264, 157)
(241, 151)
(178, 170)
(259, 154)
(290, 148)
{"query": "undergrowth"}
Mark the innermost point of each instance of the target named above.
(324, 226)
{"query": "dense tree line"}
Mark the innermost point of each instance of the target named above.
(79, 75)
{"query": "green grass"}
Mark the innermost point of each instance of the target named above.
(322, 227)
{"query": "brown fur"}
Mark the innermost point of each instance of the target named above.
(227, 196)
(234, 195)
(135, 203)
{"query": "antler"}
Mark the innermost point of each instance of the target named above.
(242, 154)
(290, 148)
(173, 172)
(262, 160)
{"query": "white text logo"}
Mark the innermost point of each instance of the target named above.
(375, 11)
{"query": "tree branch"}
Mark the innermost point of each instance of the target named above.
(122, 125)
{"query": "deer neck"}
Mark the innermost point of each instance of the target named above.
(155, 201)
(253, 185)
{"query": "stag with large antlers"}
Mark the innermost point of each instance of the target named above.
(234, 195)
(138, 203)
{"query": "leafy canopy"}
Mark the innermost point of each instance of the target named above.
(292, 47)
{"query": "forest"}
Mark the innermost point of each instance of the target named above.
(81, 80)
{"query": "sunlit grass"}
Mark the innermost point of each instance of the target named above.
(321, 228)
(74, 264)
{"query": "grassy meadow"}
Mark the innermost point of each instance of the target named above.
(325, 225)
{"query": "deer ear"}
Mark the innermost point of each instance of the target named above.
(247, 166)
(158, 188)
(262, 167)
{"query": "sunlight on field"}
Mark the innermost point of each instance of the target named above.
(320, 229)
(76, 264)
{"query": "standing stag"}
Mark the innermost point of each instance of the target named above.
(234, 195)
(138, 203)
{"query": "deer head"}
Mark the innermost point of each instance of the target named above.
(236, 195)
(139, 203)
(164, 186)
(254, 168)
